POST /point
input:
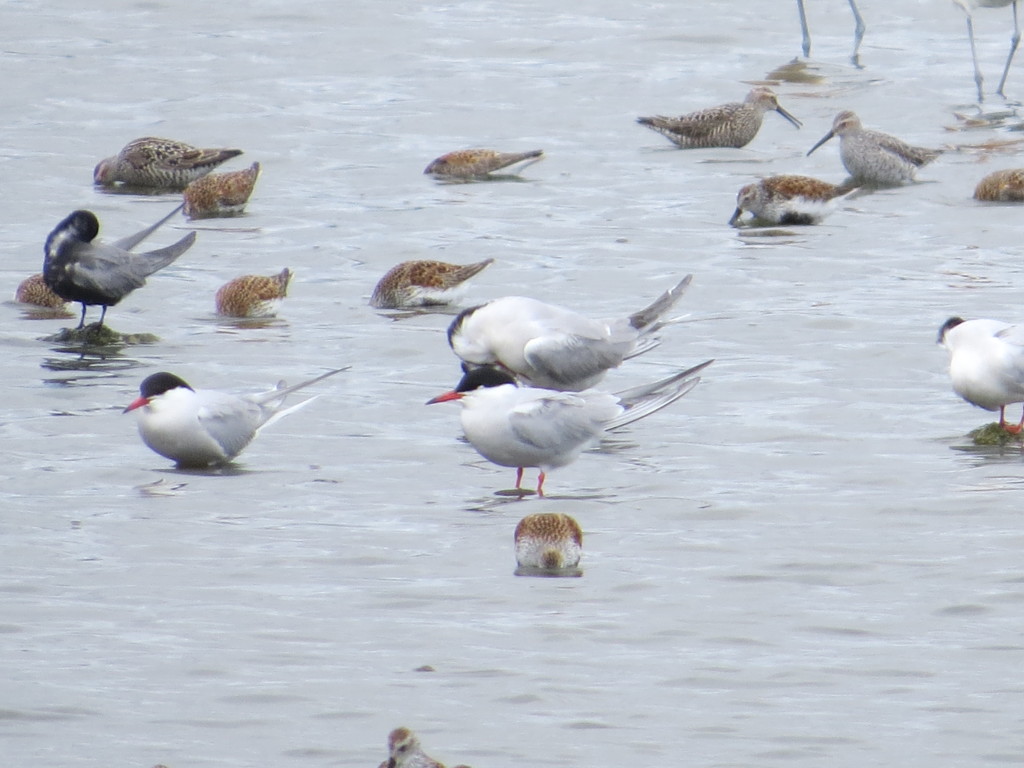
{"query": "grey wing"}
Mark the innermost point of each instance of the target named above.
(1012, 334)
(127, 243)
(105, 269)
(570, 358)
(149, 262)
(559, 421)
(232, 421)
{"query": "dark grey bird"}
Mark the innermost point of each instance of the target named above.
(77, 269)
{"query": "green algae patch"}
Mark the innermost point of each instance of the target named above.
(97, 335)
(993, 434)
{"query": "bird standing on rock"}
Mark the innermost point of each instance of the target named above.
(77, 269)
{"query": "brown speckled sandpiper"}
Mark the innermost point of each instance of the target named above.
(253, 295)
(787, 199)
(872, 157)
(1002, 187)
(729, 125)
(549, 542)
(465, 164)
(159, 163)
(404, 751)
(34, 290)
(220, 194)
(423, 283)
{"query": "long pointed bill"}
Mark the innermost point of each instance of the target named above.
(136, 403)
(789, 117)
(825, 138)
(453, 395)
(735, 217)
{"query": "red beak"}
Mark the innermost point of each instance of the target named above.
(136, 403)
(453, 395)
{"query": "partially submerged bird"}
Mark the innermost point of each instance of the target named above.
(729, 125)
(872, 157)
(523, 427)
(787, 200)
(548, 346)
(986, 364)
(206, 427)
(34, 290)
(423, 283)
(253, 295)
(548, 543)
(220, 194)
(159, 164)
(78, 269)
(1005, 186)
(466, 164)
(404, 751)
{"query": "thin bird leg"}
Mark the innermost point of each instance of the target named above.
(519, 477)
(803, 28)
(81, 323)
(1014, 42)
(540, 484)
(859, 30)
(978, 79)
(102, 315)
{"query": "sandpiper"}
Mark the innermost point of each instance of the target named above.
(465, 164)
(34, 290)
(220, 194)
(787, 199)
(728, 125)
(404, 751)
(253, 295)
(423, 283)
(872, 157)
(1002, 187)
(549, 543)
(159, 163)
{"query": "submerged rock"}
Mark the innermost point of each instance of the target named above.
(96, 335)
(993, 434)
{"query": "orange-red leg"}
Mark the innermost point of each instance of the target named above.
(540, 484)
(1013, 429)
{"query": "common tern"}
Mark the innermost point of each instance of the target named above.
(78, 269)
(986, 364)
(553, 347)
(204, 427)
(522, 427)
(159, 163)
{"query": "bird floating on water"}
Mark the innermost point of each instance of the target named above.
(728, 125)
(159, 164)
(404, 751)
(206, 427)
(423, 283)
(545, 345)
(968, 7)
(78, 269)
(986, 364)
(787, 200)
(218, 195)
(253, 295)
(34, 290)
(1005, 186)
(548, 543)
(467, 164)
(521, 427)
(872, 157)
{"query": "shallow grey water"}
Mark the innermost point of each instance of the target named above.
(801, 563)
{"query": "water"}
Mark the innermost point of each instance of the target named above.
(801, 563)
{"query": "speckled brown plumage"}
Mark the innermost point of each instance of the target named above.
(253, 295)
(787, 199)
(729, 125)
(220, 194)
(1002, 187)
(548, 541)
(159, 163)
(422, 283)
(34, 290)
(476, 163)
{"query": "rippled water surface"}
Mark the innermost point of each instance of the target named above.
(802, 563)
